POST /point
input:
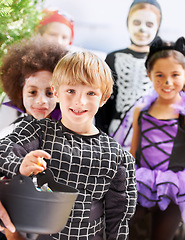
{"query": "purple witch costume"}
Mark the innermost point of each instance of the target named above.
(160, 160)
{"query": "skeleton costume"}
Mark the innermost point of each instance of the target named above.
(131, 83)
(96, 165)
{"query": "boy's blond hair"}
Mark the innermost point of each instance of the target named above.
(85, 68)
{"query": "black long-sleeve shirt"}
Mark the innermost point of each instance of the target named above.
(96, 165)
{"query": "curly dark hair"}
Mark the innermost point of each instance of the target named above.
(22, 60)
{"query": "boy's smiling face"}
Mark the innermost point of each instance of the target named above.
(79, 104)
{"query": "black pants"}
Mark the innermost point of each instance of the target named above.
(155, 224)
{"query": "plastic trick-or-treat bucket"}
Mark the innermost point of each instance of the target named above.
(34, 211)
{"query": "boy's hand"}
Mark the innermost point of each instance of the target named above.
(33, 163)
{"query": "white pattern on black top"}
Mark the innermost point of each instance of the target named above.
(96, 165)
(132, 82)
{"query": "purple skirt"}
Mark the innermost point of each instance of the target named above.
(158, 187)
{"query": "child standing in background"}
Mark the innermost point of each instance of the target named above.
(26, 71)
(127, 65)
(77, 152)
(57, 26)
(158, 142)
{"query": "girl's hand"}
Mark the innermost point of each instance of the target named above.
(6, 220)
(33, 163)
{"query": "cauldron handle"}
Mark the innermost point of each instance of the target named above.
(46, 177)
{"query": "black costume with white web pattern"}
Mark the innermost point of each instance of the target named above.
(95, 165)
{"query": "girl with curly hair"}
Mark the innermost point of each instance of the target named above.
(25, 74)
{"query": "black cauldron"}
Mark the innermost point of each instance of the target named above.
(36, 212)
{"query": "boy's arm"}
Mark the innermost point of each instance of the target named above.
(121, 199)
(16, 145)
